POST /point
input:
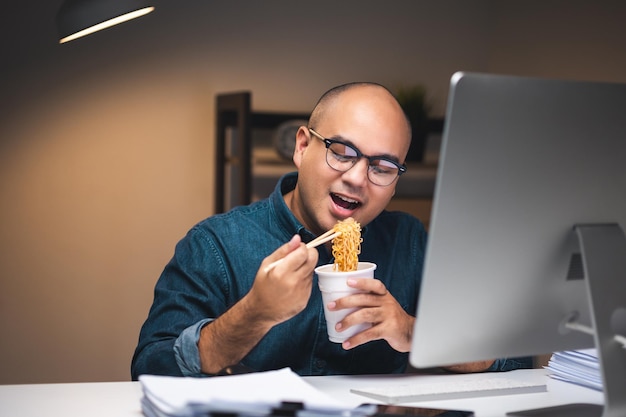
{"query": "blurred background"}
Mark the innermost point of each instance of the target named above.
(107, 142)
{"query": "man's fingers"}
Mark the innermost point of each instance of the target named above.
(368, 285)
(276, 257)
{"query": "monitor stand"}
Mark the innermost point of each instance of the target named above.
(603, 248)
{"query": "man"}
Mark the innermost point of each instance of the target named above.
(215, 305)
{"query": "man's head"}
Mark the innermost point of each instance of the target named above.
(368, 118)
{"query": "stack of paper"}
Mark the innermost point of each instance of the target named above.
(576, 366)
(255, 394)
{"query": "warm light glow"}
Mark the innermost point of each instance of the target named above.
(107, 24)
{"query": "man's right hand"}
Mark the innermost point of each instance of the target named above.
(275, 296)
(284, 291)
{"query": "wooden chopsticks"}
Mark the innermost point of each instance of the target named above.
(330, 235)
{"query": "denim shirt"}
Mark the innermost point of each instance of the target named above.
(215, 264)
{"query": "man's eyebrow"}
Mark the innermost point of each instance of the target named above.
(349, 142)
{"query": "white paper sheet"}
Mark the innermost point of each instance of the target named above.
(576, 366)
(171, 395)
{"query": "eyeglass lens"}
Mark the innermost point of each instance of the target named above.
(342, 157)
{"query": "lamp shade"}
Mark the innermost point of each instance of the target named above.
(77, 18)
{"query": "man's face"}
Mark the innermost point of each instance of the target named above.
(371, 121)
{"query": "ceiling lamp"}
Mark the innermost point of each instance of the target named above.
(78, 18)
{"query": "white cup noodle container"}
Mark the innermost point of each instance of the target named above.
(333, 285)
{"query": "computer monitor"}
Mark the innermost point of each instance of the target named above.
(526, 235)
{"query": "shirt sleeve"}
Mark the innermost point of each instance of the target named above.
(189, 291)
(186, 349)
(509, 364)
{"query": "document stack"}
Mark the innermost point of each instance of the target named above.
(272, 393)
(576, 366)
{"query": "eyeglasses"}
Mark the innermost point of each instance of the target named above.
(341, 156)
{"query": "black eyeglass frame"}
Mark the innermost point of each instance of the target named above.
(359, 155)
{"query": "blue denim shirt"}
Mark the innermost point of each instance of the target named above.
(215, 264)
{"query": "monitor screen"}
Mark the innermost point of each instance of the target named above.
(524, 162)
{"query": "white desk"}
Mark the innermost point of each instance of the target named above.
(121, 399)
(558, 392)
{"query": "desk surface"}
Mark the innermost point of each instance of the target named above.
(121, 399)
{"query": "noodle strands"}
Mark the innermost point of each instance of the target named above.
(347, 246)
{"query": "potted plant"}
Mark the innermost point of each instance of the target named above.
(413, 100)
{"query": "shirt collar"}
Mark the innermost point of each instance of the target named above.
(285, 218)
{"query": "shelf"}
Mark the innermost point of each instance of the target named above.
(235, 122)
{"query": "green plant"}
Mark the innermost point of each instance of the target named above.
(414, 101)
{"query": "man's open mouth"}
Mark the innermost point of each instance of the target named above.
(343, 202)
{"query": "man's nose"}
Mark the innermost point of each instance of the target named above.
(357, 175)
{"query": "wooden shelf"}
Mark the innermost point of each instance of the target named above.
(233, 146)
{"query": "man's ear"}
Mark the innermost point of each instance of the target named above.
(303, 139)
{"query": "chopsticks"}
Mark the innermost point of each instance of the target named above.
(323, 239)
(330, 235)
